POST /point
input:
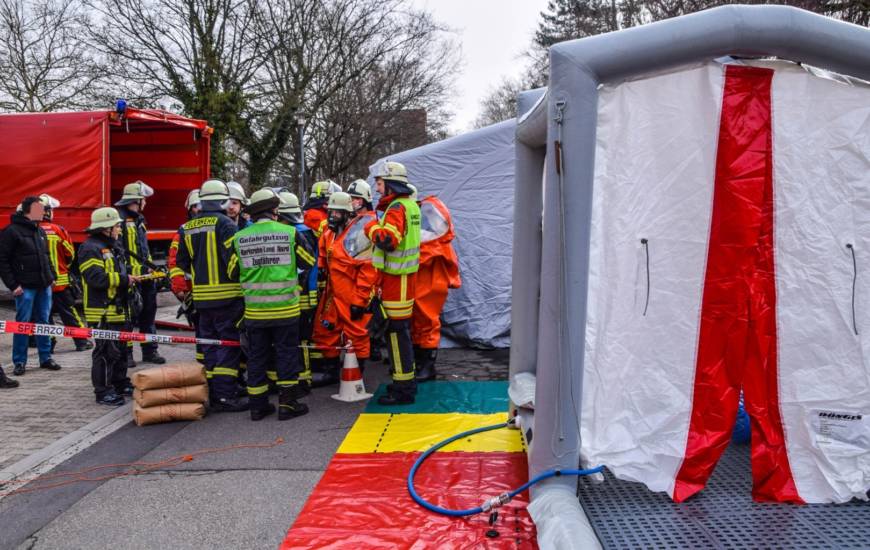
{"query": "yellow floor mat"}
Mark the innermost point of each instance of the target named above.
(390, 433)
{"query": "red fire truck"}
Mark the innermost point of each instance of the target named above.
(84, 159)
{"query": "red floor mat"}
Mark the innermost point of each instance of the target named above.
(362, 502)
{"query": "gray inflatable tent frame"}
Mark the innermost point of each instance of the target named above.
(550, 275)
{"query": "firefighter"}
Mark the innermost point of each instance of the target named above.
(134, 239)
(179, 280)
(269, 254)
(396, 236)
(206, 253)
(438, 272)
(290, 213)
(236, 203)
(61, 253)
(361, 194)
(315, 209)
(345, 257)
(105, 283)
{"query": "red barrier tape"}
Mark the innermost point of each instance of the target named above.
(15, 327)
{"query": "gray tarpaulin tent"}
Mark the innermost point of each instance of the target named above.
(473, 174)
(590, 290)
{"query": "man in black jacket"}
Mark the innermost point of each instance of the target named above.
(26, 270)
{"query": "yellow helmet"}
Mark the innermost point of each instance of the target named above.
(321, 190)
(104, 218)
(214, 190)
(340, 201)
(135, 192)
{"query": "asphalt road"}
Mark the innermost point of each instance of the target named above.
(244, 498)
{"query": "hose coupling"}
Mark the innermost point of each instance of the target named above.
(495, 502)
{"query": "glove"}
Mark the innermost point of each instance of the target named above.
(383, 242)
(357, 312)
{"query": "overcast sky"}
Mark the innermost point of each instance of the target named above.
(493, 34)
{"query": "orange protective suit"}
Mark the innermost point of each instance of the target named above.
(351, 280)
(316, 219)
(439, 271)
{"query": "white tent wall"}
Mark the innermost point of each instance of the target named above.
(473, 174)
(578, 69)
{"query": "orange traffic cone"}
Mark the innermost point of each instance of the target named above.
(351, 388)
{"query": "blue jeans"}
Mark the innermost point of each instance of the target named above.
(32, 306)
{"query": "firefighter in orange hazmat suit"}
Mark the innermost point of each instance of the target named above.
(438, 272)
(345, 257)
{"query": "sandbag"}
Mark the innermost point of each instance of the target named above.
(165, 396)
(167, 413)
(170, 376)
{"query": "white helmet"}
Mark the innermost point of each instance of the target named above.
(237, 192)
(135, 192)
(413, 192)
(48, 201)
(214, 190)
(192, 199)
(340, 201)
(360, 189)
(290, 204)
(104, 218)
(333, 187)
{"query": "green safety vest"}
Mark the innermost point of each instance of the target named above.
(267, 271)
(405, 258)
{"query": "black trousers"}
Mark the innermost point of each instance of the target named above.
(145, 322)
(278, 343)
(401, 350)
(64, 306)
(222, 362)
(109, 362)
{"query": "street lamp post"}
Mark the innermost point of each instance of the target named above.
(300, 121)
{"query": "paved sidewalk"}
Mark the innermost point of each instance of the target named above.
(48, 405)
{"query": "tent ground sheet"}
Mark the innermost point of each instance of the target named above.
(626, 514)
(362, 500)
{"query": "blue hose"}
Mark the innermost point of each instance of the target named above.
(493, 502)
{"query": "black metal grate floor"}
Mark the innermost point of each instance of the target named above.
(627, 515)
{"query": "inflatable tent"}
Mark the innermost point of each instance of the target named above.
(704, 232)
(473, 174)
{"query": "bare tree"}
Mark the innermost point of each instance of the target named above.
(250, 67)
(44, 64)
(500, 103)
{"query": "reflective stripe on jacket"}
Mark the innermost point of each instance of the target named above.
(206, 253)
(404, 259)
(104, 280)
(60, 252)
(267, 253)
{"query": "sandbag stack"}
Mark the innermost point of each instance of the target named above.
(169, 393)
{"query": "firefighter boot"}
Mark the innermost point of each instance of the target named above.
(424, 359)
(288, 406)
(230, 404)
(324, 372)
(398, 393)
(260, 407)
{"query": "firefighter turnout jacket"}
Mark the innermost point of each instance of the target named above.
(269, 255)
(308, 276)
(104, 280)
(60, 252)
(206, 253)
(134, 238)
